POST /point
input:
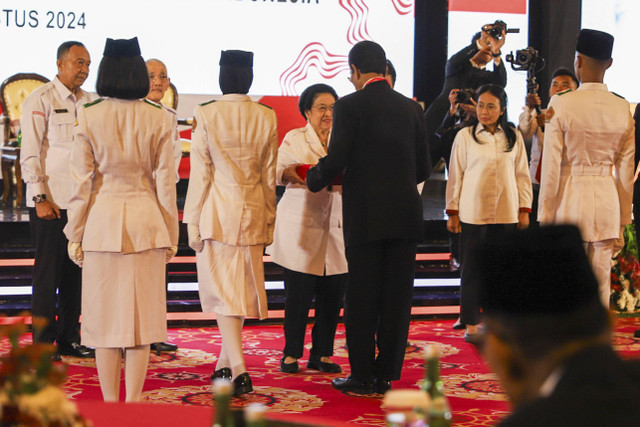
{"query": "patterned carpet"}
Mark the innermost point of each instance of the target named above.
(183, 378)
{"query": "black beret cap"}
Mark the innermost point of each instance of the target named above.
(535, 272)
(595, 44)
(122, 48)
(236, 58)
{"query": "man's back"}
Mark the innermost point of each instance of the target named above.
(379, 137)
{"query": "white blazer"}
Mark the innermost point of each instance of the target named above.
(124, 192)
(232, 185)
(308, 236)
(587, 162)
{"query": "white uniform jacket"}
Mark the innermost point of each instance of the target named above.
(124, 192)
(488, 185)
(177, 144)
(231, 194)
(587, 162)
(48, 117)
(528, 126)
(308, 237)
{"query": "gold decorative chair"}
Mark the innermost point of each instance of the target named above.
(170, 98)
(13, 92)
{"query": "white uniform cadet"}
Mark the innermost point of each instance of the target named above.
(123, 211)
(231, 198)
(587, 170)
(528, 126)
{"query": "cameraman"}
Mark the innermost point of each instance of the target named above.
(531, 125)
(467, 69)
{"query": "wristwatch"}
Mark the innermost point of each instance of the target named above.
(39, 198)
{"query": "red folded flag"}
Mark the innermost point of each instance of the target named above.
(303, 169)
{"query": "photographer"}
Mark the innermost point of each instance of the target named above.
(531, 124)
(467, 69)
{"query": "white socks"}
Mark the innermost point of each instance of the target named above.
(231, 351)
(108, 362)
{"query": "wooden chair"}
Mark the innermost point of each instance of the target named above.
(13, 92)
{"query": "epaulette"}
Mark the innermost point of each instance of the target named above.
(265, 105)
(89, 104)
(153, 104)
(619, 96)
(207, 103)
(564, 91)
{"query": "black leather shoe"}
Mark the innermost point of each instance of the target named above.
(55, 357)
(76, 350)
(289, 368)
(636, 334)
(242, 384)
(163, 346)
(381, 386)
(221, 373)
(459, 325)
(353, 385)
(316, 363)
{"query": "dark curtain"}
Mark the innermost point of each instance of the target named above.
(553, 28)
(430, 48)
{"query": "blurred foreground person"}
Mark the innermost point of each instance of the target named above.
(123, 218)
(231, 208)
(548, 336)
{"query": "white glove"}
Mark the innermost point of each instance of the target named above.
(171, 252)
(76, 254)
(195, 242)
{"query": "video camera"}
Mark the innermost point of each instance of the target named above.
(495, 30)
(464, 96)
(523, 59)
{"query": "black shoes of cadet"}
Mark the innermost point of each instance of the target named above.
(75, 350)
(159, 347)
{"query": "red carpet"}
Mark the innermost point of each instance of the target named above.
(183, 378)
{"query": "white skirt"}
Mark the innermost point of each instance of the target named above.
(231, 280)
(123, 299)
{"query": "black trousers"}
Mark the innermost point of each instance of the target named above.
(54, 271)
(300, 290)
(472, 235)
(378, 307)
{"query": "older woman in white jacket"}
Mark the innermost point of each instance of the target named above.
(308, 239)
(123, 218)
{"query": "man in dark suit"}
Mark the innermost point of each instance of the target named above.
(548, 335)
(378, 140)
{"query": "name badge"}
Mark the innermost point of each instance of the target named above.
(61, 110)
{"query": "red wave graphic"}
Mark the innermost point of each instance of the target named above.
(313, 55)
(359, 13)
(403, 7)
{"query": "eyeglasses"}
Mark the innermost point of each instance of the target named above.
(323, 108)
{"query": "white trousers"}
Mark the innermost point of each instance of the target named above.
(599, 254)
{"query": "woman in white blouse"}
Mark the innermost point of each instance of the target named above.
(308, 240)
(489, 189)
